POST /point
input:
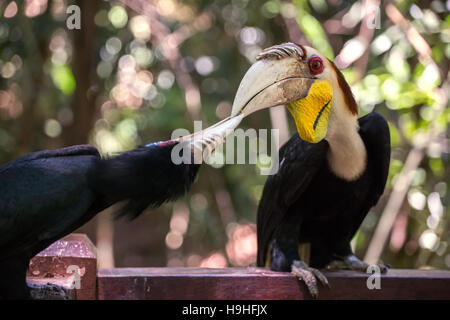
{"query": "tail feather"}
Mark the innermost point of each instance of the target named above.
(145, 177)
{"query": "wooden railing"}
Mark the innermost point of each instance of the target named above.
(72, 261)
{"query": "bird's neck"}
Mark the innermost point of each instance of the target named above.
(347, 156)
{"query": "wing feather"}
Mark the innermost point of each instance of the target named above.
(299, 163)
(375, 131)
(43, 192)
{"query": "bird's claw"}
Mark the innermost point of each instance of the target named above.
(351, 262)
(309, 275)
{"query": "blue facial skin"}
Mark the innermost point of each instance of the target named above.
(161, 143)
(153, 144)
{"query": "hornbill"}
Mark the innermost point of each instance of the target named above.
(47, 194)
(330, 173)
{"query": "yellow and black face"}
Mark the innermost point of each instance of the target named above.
(311, 112)
(296, 76)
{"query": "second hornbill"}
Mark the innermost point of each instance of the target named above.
(47, 194)
(330, 173)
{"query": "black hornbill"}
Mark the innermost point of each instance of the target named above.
(330, 173)
(48, 194)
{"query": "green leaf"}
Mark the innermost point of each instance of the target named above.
(63, 79)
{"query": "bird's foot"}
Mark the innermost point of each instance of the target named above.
(351, 262)
(308, 275)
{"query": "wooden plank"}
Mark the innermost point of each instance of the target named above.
(260, 283)
(57, 265)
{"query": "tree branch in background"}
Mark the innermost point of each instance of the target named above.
(105, 238)
(366, 32)
(355, 51)
(393, 205)
(334, 24)
(84, 110)
(83, 103)
(169, 44)
(416, 155)
(414, 37)
(222, 197)
(31, 84)
(295, 33)
(278, 116)
(279, 121)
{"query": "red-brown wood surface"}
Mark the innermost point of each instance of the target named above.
(52, 265)
(258, 283)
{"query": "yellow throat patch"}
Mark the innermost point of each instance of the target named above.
(311, 113)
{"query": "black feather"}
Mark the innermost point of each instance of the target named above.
(306, 202)
(145, 177)
(48, 194)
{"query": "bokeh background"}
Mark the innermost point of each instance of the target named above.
(137, 70)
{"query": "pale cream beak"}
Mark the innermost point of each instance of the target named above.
(268, 83)
(204, 142)
(272, 82)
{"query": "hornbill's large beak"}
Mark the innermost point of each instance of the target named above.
(278, 78)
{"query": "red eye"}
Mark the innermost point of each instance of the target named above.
(315, 65)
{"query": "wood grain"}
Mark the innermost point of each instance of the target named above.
(259, 283)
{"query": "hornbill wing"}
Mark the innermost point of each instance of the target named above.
(78, 150)
(43, 194)
(299, 163)
(375, 132)
(154, 174)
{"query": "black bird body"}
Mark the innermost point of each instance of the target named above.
(306, 202)
(48, 194)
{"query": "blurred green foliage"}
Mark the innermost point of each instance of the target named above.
(159, 65)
